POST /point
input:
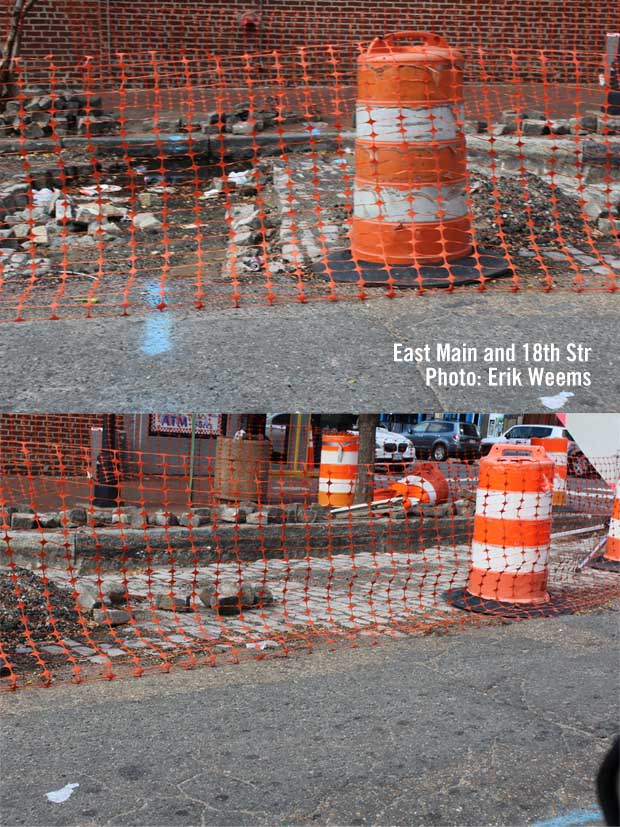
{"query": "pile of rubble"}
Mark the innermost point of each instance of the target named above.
(56, 221)
(35, 608)
(534, 122)
(243, 119)
(549, 214)
(28, 601)
(110, 603)
(222, 598)
(42, 112)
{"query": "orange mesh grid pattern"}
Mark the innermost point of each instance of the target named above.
(145, 557)
(199, 181)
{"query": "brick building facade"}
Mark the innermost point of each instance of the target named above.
(46, 444)
(72, 29)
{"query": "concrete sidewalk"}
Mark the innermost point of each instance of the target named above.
(503, 725)
(321, 356)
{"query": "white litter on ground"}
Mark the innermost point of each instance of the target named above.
(556, 402)
(58, 796)
(97, 188)
(262, 644)
(241, 178)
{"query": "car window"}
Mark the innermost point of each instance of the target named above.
(419, 428)
(467, 429)
(518, 432)
(436, 427)
(541, 432)
(281, 419)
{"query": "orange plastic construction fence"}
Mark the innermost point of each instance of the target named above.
(128, 555)
(191, 180)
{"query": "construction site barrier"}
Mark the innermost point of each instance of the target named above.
(170, 575)
(159, 181)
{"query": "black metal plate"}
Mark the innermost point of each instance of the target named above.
(603, 564)
(343, 269)
(462, 599)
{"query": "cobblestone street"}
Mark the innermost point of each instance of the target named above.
(371, 593)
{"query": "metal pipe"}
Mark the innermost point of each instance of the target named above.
(192, 456)
(587, 559)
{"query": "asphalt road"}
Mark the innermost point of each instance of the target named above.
(319, 357)
(503, 725)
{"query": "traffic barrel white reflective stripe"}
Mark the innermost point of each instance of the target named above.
(396, 124)
(557, 451)
(404, 204)
(512, 525)
(338, 471)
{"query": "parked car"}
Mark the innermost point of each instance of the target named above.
(440, 439)
(392, 448)
(522, 434)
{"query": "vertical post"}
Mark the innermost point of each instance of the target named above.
(611, 107)
(192, 456)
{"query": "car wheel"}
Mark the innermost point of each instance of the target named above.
(439, 452)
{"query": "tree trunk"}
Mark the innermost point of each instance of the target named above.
(366, 457)
(10, 49)
(255, 426)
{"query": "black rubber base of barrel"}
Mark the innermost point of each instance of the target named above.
(340, 267)
(603, 564)
(462, 599)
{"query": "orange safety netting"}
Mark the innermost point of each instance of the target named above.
(149, 549)
(158, 182)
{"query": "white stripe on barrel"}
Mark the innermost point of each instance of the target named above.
(513, 505)
(419, 204)
(521, 560)
(408, 124)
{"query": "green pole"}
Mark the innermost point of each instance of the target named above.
(192, 455)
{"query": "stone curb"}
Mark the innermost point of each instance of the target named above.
(114, 549)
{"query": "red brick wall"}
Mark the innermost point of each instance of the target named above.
(46, 444)
(72, 29)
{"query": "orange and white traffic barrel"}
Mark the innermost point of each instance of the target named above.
(557, 450)
(610, 559)
(427, 485)
(512, 536)
(338, 471)
(410, 201)
(412, 222)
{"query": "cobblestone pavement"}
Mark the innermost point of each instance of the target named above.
(368, 593)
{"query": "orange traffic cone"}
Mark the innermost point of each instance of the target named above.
(610, 559)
